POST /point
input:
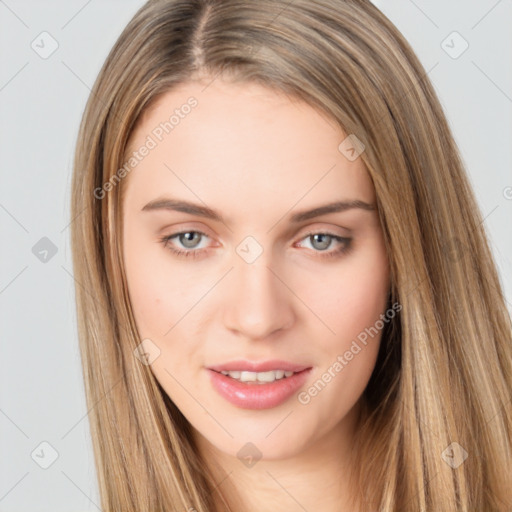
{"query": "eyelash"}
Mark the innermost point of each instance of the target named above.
(194, 253)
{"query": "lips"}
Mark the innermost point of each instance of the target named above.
(256, 393)
(263, 366)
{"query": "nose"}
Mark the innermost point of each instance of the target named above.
(258, 302)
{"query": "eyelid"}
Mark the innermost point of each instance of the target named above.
(344, 241)
(302, 232)
(333, 229)
(320, 231)
(182, 227)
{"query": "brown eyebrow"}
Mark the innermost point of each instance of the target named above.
(204, 211)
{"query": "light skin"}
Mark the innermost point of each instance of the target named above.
(257, 157)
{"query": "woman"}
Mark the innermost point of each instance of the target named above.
(287, 298)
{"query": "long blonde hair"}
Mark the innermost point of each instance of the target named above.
(444, 372)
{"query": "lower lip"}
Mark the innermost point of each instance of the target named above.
(257, 396)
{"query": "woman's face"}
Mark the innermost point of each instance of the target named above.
(236, 262)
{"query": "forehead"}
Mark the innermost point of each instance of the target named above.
(244, 143)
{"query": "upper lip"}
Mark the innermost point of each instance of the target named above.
(258, 366)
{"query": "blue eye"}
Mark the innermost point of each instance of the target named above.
(187, 241)
(325, 240)
(321, 242)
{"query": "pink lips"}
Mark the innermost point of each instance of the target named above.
(264, 366)
(251, 395)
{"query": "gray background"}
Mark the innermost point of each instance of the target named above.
(41, 101)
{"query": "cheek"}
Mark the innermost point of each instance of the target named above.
(353, 311)
(160, 302)
(160, 292)
(353, 300)
(158, 305)
(358, 304)
(151, 291)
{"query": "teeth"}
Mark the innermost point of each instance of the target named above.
(263, 377)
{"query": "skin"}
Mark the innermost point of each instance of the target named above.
(257, 157)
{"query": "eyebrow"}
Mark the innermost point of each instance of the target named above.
(204, 211)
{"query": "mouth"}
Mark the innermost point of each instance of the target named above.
(249, 385)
